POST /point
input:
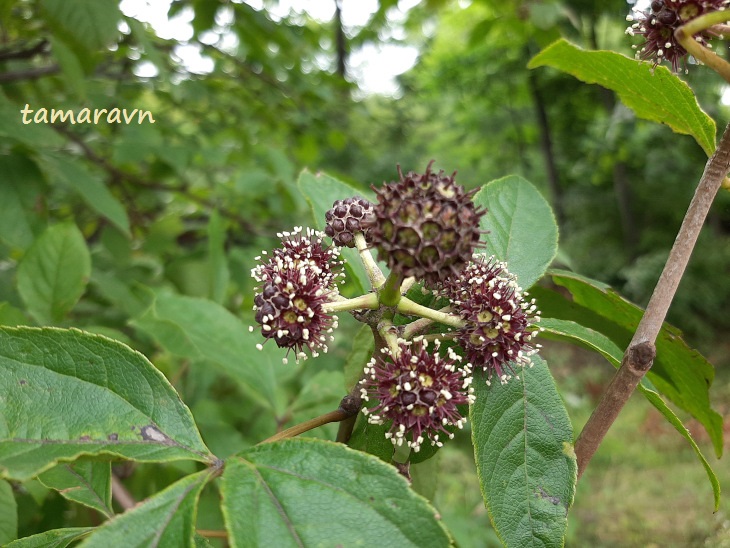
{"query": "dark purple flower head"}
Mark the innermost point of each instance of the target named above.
(346, 218)
(657, 26)
(499, 321)
(418, 390)
(296, 282)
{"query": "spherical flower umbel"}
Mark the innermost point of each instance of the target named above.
(297, 281)
(425, 226)
(418, 390)
(658, 25)
(500, 323)
(346, 218)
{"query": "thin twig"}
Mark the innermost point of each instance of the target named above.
(121, 494)
(28, 74)
(210, 533)
(639, 356)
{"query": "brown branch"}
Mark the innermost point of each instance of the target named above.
(209, 533)
(184, 189)
(640, 354)
(15, 53)
(28, 74)
(121, 494)
(306, 426)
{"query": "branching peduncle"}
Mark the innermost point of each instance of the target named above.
(640, 354)
(685, 36)
(367, 301)
(409, 307)
(374, 273)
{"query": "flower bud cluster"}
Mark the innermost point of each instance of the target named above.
(295, 283)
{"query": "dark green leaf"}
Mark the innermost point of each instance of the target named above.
(217, 263)
(8, 514)
(90, 23)
(89, 187)
(370, 438)
(521, 227)
(85, 481)
(198, 328)
(679, 372)
(362, 350)
(56, 538)
(166, 519)
(67, 393)
(653, 93)
(73, 72)
(305, 492)
(523, 443)
(576, 333)
(54, 272)
(321, 191)
(20, 188)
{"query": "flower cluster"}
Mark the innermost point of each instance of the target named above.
(295, 283)
(346, 218)
(500, 323)
(658, 26)
(418, 390)
(425, 226)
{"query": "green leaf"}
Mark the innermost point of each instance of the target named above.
(19, 190)
(521, 227)
(679, 372)
(56, 538)
(321, 191)
(370, 438)
(8, 514)
(523, 444)
(92, 24)
(217, 263)
(362, 349)
(73, 72)
(85, 481)
(90, 188)
(588, 338)
(9, 315)
(202, 329)
(304, 492)
(54, 272)
(653, 93)
(166, 519)
(66, 393)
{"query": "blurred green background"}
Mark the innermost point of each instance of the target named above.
(247, 94)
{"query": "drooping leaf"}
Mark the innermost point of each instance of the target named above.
(54, 272)
(8, 514)
(198, 328)
(67, 393)
(85, 481)
(584, 336)
(55, 538)
(165, 519)
(321, 191)
(521, 227)
(217, 264)
(304, 492)
(679, 372)
(523, 444)
(654, 94)
(89, 187)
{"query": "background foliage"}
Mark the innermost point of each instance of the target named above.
(155, 227)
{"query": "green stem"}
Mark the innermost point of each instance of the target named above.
(389, 333)
(685, 36)
(371, 267)
(389, 292)
(407, 306)
(369, 300)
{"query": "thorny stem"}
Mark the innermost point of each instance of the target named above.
(407, 306)
(685, 36)
(374, 273)
(369, 301)
(640, 354)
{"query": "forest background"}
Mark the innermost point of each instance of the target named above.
(181, 208)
